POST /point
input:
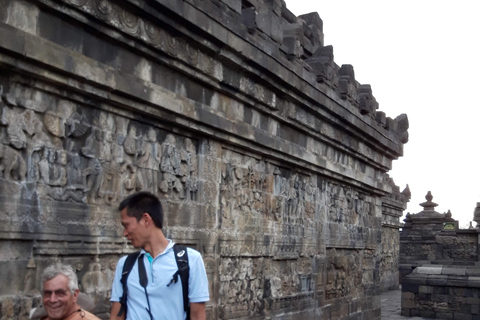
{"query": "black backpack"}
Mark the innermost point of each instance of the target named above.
(183, 271)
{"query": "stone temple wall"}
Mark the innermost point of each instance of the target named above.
(269, 158)
(430, 237)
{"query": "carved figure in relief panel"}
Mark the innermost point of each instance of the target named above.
(226, 193)
(12, 164)
(300, 212)
(281, 192)
(170, 166)
(18, 125)
(112, 170)
(293, 201)
(58, 188)
(190, 170)
(93, 144)
(44, 165)
(336, 210)
(76, 125)
(30, 278)
(74, 173)
(95, 280)
(92, 173)
(133, 144)
(110, 271)
(52, 167)
(275, 280)
(40, 139)
(152, 152)
(54, 124)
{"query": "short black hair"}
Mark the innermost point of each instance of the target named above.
(143, 202)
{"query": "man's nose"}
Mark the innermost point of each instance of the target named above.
(125, 233)
(53, 297)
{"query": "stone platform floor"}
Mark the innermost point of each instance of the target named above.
(391, 306)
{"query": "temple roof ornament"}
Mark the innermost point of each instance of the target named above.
(476, 214)
(428, 205)
(428, 211)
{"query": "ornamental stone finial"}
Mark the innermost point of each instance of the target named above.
(476, 214)
(428, 205)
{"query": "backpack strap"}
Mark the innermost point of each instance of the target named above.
(142, 274)
(127, 267)
(181, 257)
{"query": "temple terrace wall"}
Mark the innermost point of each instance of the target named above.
(269, 158)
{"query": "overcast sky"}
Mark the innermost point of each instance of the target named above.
(422, 58)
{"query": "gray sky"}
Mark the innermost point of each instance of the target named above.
(422, 58)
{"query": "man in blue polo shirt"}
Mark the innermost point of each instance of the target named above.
(142, 220)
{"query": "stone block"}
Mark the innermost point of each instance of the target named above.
(455, 271)
(425, 289)
(405, 312)
(473, 281)
(472, 271)
(440, 289)
(475, 305)
(408, 296)
(437, 280)
(249, 18)
(462, 316)
(424, 296)
(443, 315)
(430, 270)
(21, 15)
(415, 312)
(409, 304)
(440, 297)
(416, 278)
(457, 281)
(235, 5)
(60, 31)
(426, 313)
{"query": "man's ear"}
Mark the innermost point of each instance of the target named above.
(147, 218)
(75, 295)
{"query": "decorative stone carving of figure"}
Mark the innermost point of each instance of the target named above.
(12, 165)
(18, 124)
(94, 280)
(170, 166)
(189, 160)
(52, 167)
(153, 152)
(29, 281)
(92, 174)
(75, 189)
(131, 143)
(149, 162)
(43, 166)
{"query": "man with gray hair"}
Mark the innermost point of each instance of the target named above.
(60, 293)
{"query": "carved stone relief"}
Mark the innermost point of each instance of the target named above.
(248, 285)
(458, 248)
(70, 153)
(349, 272)
(274, 234)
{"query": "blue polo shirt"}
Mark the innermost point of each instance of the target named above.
(166, 302)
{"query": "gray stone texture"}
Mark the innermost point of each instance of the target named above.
(269, 158)
(430, 237)
(453, 296)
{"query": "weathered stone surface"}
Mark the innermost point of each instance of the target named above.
(432, 237)
(450, 295)
(268, 157)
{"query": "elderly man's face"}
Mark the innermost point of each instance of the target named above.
(58, 301)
